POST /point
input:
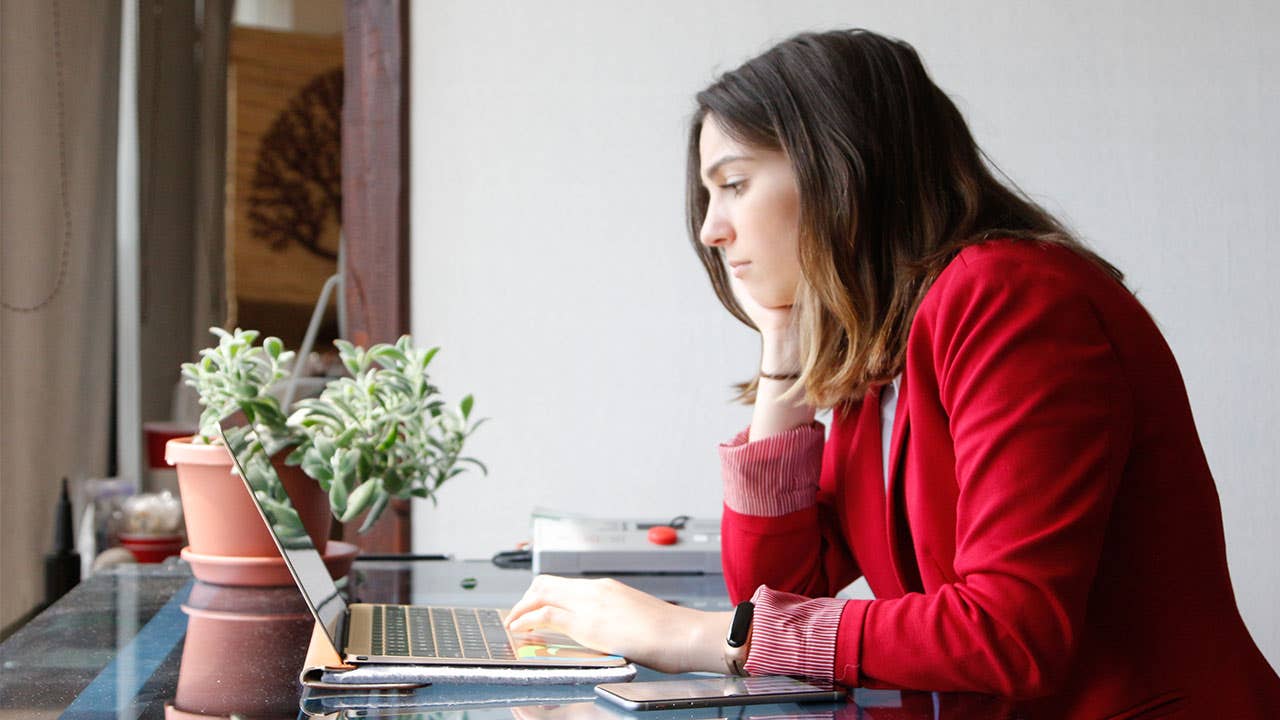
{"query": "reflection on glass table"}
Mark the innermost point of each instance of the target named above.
(867, 704)
(230, 632)
(146, 642)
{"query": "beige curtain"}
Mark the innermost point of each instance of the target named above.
(58, 88)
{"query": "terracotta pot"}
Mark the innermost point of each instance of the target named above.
(221, 517)
(241, 653)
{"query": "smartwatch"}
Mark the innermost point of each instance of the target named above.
(738, 644)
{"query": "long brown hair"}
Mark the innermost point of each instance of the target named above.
(892, 186)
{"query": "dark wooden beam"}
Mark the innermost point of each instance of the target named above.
(375, 199)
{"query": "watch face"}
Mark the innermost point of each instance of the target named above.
(741, 626)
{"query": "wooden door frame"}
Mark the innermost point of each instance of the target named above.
(375, 200)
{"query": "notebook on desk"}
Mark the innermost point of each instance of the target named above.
(402, 645)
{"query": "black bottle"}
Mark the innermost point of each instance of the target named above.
(62, 566)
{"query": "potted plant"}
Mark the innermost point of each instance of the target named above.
(381, 433)
(222, 521)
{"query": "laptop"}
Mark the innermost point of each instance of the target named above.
(364, 633)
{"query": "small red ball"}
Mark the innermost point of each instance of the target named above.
(663, 535)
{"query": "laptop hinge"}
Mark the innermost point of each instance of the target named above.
(344, 628)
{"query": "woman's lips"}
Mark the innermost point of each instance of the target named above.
(739, 268)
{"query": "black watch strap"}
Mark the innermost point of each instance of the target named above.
(737, 644)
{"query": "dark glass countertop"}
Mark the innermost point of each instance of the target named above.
(150, 641)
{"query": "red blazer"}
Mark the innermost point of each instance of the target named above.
(1052, 531)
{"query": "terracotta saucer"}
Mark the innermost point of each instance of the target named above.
(263, 571)
(173, 713)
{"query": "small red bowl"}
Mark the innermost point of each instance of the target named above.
(152, 548)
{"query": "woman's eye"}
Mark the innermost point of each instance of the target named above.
(736, 186)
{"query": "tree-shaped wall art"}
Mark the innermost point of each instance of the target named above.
(284, 196)
(297, 183)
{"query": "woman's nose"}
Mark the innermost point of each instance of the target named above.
(715, 231)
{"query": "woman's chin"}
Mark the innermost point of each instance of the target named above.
(775, 301)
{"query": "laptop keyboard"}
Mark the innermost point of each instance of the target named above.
(439, 632)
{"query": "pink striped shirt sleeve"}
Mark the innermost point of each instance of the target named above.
(775, 475)
(793, 635)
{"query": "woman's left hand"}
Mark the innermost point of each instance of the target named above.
(611, 617)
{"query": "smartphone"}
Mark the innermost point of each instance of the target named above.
(714, 692)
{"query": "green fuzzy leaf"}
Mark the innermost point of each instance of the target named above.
(266, 409)
(345, 407)
(364, 463)
(466, 406)
(338, 498)
(352, 365)
(317, 469)
(359, 500)
(389, 355)
(344, 440)
(390, 438)
(379, 505)
(345, 473)
(393, 481)
(397, 382)
(484, 470)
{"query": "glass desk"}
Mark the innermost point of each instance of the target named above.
(149, 641)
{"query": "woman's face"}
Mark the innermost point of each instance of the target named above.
(753, 215)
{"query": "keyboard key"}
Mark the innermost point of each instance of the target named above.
(448, 644)
(420, 635)
(376, 633)
(396, 635)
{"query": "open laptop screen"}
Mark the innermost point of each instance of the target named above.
(283, 522)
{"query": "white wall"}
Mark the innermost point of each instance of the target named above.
(550, 259)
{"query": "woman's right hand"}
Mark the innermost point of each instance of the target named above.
(779, 355)
(778, 336)
(772, 322)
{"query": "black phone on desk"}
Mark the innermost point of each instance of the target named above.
(718, 691)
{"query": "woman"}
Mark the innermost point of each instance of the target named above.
(1012, 462)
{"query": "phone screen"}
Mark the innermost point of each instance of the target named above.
(712, 692)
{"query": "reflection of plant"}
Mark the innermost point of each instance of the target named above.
(381, 433)
(266, 486)
(234, 375)
(297, 181)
